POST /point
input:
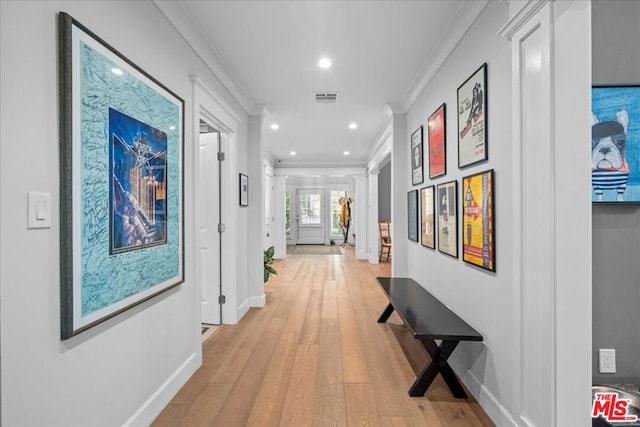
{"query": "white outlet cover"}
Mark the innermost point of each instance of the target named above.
(607, 361)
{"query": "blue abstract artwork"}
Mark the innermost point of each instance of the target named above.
(615, 144)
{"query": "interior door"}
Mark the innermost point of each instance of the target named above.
(311, 221)
(209, 205)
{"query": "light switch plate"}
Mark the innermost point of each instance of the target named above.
(38, 210)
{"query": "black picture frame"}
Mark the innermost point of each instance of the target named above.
(244, 189)
(473, 142)
(478, 220)
(428, 217)
(121, 182)
(412, 215)
(447, 207)
(417, 157)
(437, 141)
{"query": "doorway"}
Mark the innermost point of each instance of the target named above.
(310, 218)
(209, 218)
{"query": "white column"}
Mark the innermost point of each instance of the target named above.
(400, 184)
(372, 219)
(361, 216)
(280, 218)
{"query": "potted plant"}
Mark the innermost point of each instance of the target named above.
(268, 260)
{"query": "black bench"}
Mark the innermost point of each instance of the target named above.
(429, 320)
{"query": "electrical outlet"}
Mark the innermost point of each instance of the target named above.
(607, 361)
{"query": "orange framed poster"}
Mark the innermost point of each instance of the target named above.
(478, 232)
(437, 142)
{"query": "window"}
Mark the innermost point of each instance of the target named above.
(336, 230)
(310, 209)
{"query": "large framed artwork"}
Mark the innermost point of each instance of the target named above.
(478, 232)
(472, 119)
(615, 144)
(427, 217)
(121, 196)
(244, 190)
(447, 204)
(437, 124)
(417, 174)
(412, 215)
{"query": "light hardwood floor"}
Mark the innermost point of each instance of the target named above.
(315, 356)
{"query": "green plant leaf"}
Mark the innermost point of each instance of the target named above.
(269, 253)
(270, 269)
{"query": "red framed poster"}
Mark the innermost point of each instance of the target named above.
(438, 142)
(478, 233)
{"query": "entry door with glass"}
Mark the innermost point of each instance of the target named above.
(311, 222)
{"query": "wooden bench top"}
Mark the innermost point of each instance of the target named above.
(425, 314)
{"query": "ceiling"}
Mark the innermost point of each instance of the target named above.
(272, 49)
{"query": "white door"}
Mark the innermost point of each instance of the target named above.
(209, 205)
(311, 221)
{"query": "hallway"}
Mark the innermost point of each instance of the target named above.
(314, 355)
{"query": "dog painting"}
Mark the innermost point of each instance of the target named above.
(615, 144)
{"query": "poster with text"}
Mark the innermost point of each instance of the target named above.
(447, 196)
(478, 239)
(472, 119)
(427, 217)
(417, 174)
(437, 142)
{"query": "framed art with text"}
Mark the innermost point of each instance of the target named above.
(472, 119)
(615, 144)
(412, 215)
(446, 202)
(437, 142)
(244, 190)
(121, 195)
(427, 217)
(417, 174)
(478, 232)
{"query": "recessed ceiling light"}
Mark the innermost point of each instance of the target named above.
(346, 153)
(116, 71)
(293, 153)
(324, 63)
(275, 126)
(353, 126)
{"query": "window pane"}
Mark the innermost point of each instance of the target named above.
(335, 212)
(287, 209)
(310, 209)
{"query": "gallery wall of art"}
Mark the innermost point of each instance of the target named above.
(616, 228)
(125, 369)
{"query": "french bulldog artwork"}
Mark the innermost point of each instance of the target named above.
(609, 168)
(615, 144)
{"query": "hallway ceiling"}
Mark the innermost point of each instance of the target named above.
(271, 48)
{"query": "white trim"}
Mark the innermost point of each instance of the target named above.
(467, 13)
(243, 309)
(154, 405)
(361, 216)
(177, 14)
(320, 171)
(224, 112)
(489, 403)
(526, 12)
(258, 301)
(382, 149)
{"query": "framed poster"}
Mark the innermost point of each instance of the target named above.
(417, 175)
(412, 215)
(446, 202)
(472, 119)
(615, 144)
(438, 142)
(121, 195)
(427, 217)
(244, 190)
(478, 232)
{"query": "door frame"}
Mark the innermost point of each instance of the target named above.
(323, 212)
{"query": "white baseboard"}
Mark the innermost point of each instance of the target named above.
(150, 409)
(259, 301)
(492, 406)
(243, 309)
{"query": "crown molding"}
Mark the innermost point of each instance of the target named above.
(177, 14)
(521, 17)
(467, 13)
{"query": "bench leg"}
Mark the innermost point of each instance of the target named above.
(385, 314)
(439, 356)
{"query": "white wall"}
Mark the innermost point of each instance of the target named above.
(484, 299)
(127, 368)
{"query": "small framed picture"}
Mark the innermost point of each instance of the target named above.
(447, 204)
(438, 142)
(478, 233)
(244, 190)
(427, 217)
(472, 119)
(412, 214)
(417, 175)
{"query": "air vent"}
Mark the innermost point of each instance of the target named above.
(326, 97)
